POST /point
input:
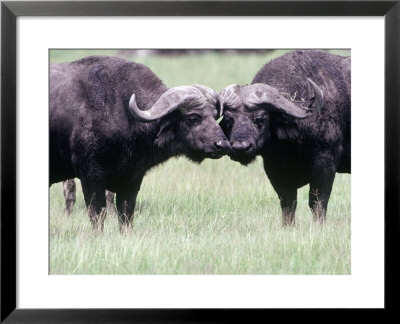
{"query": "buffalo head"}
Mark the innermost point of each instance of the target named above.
(187, 116)
(247, 114)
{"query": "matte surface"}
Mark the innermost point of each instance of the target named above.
(10, 10)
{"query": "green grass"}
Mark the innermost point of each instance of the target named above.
(214, 218)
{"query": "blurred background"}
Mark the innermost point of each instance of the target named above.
(215, 68)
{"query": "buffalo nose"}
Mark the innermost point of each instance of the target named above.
(222, 146)
(241, 146)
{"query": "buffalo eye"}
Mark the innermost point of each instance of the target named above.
(260, 121)
(193, 119)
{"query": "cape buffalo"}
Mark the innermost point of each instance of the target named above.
(111, 120)
(296, 115)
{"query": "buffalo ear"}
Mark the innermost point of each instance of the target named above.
(165, 134)
(285, 129)
(287, 133)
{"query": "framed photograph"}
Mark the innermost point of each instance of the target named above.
(211, 238)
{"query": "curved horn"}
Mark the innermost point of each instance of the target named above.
(169, 101)
(211, 95)
(260, 93)
(318, 95)
(231, 95)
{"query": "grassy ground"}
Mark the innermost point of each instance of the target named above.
(213, 218)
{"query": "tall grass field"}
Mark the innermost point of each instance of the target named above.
(214, 218)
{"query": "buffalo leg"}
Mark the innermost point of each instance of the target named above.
(69, 189)
(125, 207)
(288, 200)
(125, 201)
(110, 200)
(320, 190)
(95, 201)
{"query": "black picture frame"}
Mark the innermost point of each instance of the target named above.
(11, 10)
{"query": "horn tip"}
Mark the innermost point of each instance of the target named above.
(133, 99)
